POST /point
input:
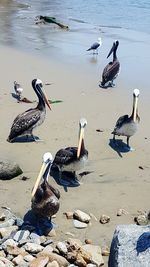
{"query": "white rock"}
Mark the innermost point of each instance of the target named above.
(6, 231)
(18, 260)
(6, 262)
(35, 238)
(81, 216)
(21, 235)
(9, 242)
(39, 262)
(78, 224)
(95, 251)
(28, 258)
(3, 264)
(53, 264)
(62, 247)
(33, 248)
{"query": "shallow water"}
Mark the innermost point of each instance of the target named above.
(128, 21)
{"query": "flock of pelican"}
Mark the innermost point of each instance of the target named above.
(45, 198)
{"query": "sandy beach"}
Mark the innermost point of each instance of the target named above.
(116, 180)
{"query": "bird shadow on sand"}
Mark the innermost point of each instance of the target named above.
(26, 139)
(119, 146)
(67, 179)
(108, 86)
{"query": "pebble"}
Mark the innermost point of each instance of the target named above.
(141, 219)
(88, 241)
(33, 248)
(9, 242)
(18, 260)
(61, 246)
(81, 216)
(120, 212)
(7, 231)
(53, 264)
(28, 258)
(6, 262)
(95, 252)
(104, 219)
(8, 223)
(35, 238)
(39, 262)
(2, 217)
(69, 214)
(79, 225)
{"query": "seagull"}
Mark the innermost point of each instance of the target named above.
(95, 46)
(18, 90)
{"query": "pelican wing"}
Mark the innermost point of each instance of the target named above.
(122, 120)
(24, 122)
(64, 156)
(110, 71)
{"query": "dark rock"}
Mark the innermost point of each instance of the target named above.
(130, 246)
(9, 170)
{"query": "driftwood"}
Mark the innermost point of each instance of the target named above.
(47, 19)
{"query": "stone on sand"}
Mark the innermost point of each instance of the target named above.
(9, 170)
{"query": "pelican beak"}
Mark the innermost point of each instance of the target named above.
(81, 136)
(111, 50)
(42, 170)
(135, 108)
(46, 100)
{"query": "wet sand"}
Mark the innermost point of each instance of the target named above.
(116, 181)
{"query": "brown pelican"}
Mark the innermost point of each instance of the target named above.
(25, 123)
(72, 159)
(111, 71)
(127, 125)
(45, 198)
(95, 46)
(18, 90)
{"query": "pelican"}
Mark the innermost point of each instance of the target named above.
(18, 90)
(31, 118)
(111, 71)
(45, 198)
(127, 125)
(72, 159)
(95, 46)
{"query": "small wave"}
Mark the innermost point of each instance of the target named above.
(110, 26)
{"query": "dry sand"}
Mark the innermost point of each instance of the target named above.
(116, 182)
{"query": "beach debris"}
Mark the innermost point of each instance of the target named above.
(69, 214)
(85, 173)
(120, 212)
(9, 170)
(54, 101)
(48, 84)
(99, 131)
(48, 19)
(104, 219)
(141, 168)
(24, 178)
(81, 216)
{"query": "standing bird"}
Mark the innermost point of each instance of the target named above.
(111, 71)
(125, 125)
(18, 90)
(72, 159)
(95, 46)
(45, 198)
(31, 118)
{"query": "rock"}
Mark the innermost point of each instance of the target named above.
(19, 222)
(80, 262)
(79, 225)
(33, 248)
(23, 242)
(2, 264)
(96, 255)
(7, 231)
(48, 249)
(120, 212)
(47, 242)
(61, 246)
(141, 219)
(18, 260)
(60, 260)
(91, 265)
(69, 214)
(9, 242)
(81, 216)
(2, 253)
(74, 242)
(9, 170)
(2, 217)
(35, 238)
(104, 219)
(15, 251)
(105, 251)
(28, 258)
(53, 264)
(88, 241)
(52, 233)
(130, 246)
(21, 235)
(8, 223)
(6, 262)
(39, 262)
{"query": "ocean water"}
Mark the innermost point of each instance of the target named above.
(128, 21)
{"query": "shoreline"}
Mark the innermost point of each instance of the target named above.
(116, 182)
